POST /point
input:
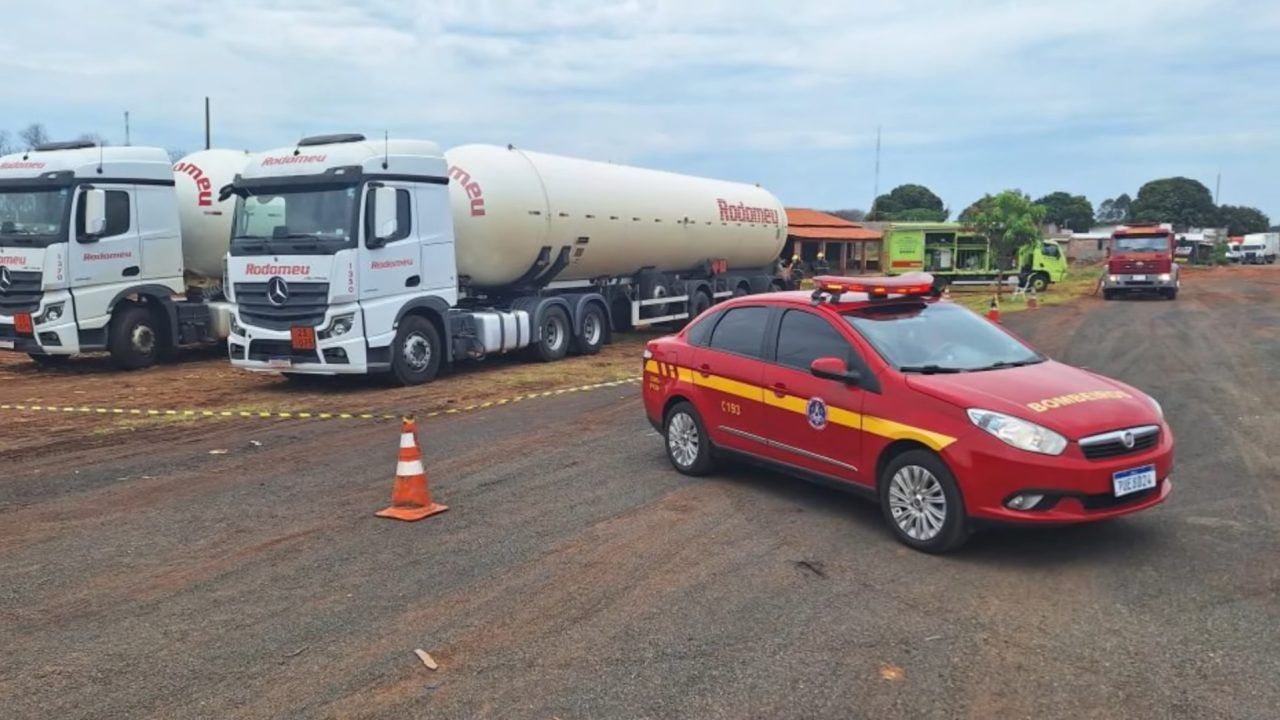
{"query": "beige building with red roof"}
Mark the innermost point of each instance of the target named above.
(847, 247)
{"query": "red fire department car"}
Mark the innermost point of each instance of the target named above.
(878, 385)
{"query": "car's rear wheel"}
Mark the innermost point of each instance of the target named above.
(688, 446)
(922, 504)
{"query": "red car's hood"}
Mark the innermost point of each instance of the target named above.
(1068, 400)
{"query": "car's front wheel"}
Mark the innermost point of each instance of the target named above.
(922, 504)
(688, 446)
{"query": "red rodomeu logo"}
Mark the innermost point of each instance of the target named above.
(90, 257)
(745, 213)
(203, 185)
(292, 160)
(254, 269)
(474, 193)
(388, 264)
(21, 165)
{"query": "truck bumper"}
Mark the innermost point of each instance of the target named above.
(264, 350)
(1140, 283)
(59, 337)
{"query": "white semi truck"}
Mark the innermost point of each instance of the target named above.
(1259, 248)
(112, 248)
(357, 256)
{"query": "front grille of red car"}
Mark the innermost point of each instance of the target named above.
(1112, 444)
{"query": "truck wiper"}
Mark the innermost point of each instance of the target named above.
(929, 369)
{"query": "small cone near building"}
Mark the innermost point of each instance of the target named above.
(1032, 301)
(993, 313)
(410, 496)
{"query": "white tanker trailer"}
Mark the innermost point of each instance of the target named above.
(112, 248)
(352, 256)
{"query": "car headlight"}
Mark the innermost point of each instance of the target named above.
(338, 326)
(51, 314)
(1019, 433)
(1165, 277)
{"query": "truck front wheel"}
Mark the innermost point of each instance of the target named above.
(553, 338)
(134, 339)
(1039, 282)
(415, 356)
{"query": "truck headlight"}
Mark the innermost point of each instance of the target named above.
(236, 329)
(338, 326)
(1113, 278)
(53, 313)
(1165, 277)
(1019, 433)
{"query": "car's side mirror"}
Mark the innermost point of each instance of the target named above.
(833, 368)
(385, 222)
(95, 212)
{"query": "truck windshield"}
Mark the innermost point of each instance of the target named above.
(1153, 243)
(33, 217)
(295, 222)
(938, 338)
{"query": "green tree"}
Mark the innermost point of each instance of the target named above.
(1241, 220)
(909, 202)
(1184, 202)
(1010, 220)
(1115, 211)
(1065, 210)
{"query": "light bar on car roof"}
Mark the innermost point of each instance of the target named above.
(874, 287)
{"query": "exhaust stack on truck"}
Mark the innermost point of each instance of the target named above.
(352, 256)
(112, 248)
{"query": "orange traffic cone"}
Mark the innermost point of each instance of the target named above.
(410, 496)
(1032, 301)
(993, 313)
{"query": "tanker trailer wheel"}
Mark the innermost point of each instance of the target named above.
(416, 352)
(591, 338)
(134, 338)
(553, 336)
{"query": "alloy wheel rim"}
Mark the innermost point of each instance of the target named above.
(682, 439)
(417, 352)
(917, 503)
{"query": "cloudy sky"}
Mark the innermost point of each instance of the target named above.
(1089, 96)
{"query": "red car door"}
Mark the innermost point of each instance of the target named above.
(726, 374)
(814, 423)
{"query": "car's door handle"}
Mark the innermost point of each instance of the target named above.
(705, 369)
(780, 389)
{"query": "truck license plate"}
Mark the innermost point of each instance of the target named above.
(6, 344)
(280, 362)
(1139, 278)
(1127, 482)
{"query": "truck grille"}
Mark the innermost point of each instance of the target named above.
(305, 307)
(266, 350)
(23, 293)
(1129, 267)
(1112, 444)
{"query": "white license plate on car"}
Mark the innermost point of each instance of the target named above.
(278, 362)
(1139, 278)
(6, 344)
(1127, 482)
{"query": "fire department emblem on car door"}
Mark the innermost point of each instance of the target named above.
(817, 412)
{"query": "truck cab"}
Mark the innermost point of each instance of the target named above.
(90, 252)
(1040, 263)
(1140, 260)
(337, 246)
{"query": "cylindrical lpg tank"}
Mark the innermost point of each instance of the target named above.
(206, 222)
(508, 204)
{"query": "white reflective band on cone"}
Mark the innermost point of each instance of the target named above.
(411, 467)
(406, 440)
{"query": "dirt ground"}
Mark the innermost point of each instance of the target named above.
(159, 568)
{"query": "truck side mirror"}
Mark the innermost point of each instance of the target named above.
(385, 223)
(95, 212)
(833, 368)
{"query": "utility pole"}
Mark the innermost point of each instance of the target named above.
(207, 142)
(876, 192)
(1217, 188)
(126, 128)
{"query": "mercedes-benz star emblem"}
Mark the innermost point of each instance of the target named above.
(277, 291)
(1127, 439)
(6, 280)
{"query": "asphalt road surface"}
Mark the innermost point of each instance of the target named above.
(577, 576)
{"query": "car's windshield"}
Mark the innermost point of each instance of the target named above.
(938, 337)
(33, 217)
(1154, 243)
(312, 221)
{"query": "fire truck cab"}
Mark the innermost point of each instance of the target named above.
(1140, 260)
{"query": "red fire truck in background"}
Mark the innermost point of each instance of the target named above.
(1140, 260)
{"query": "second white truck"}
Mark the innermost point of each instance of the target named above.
(355, 256)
